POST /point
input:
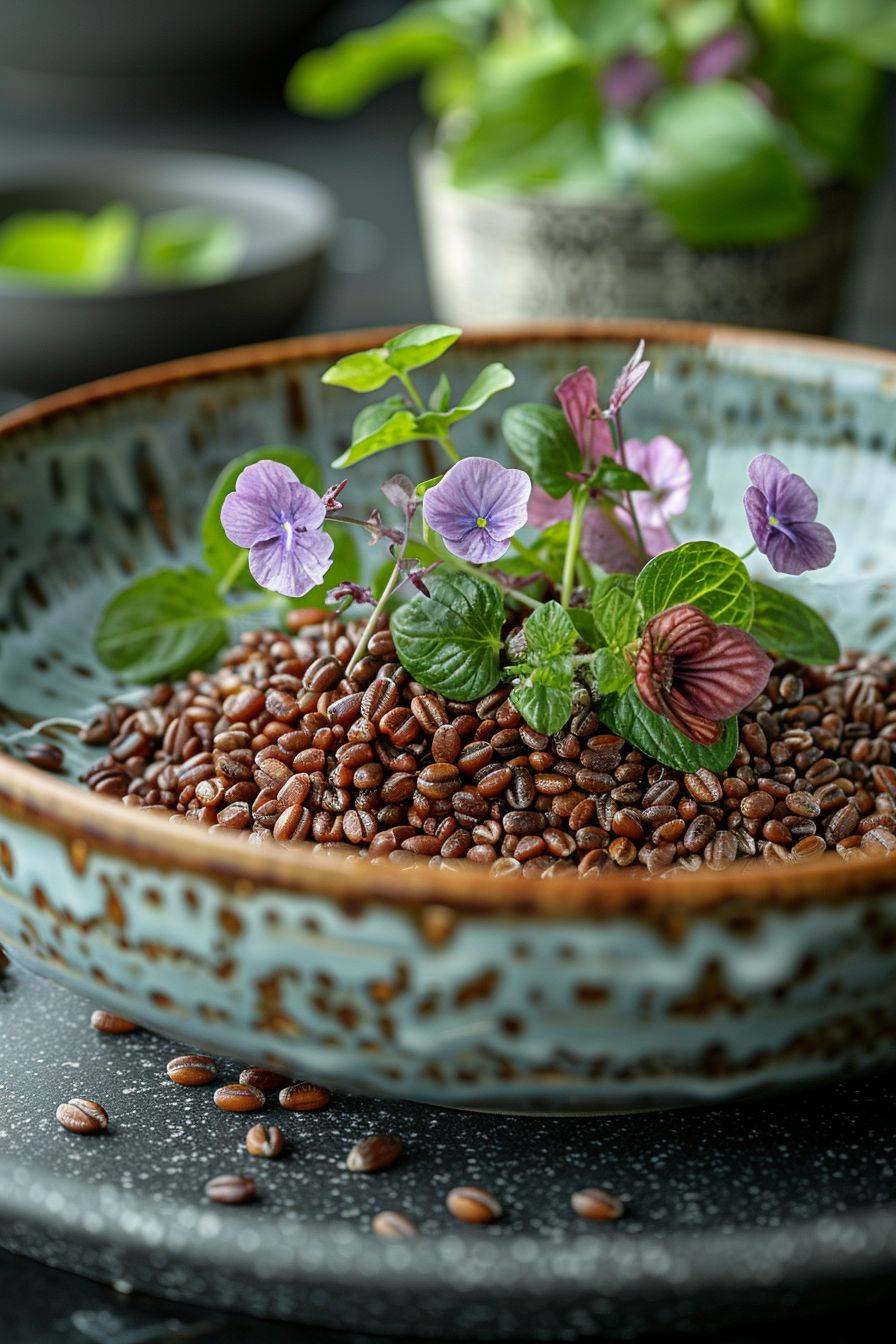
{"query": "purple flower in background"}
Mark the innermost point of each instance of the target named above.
(726, 54)
(577, 395)
(278, 520)
(477, 507)
(632, 374)
(665, 468)
(781, 510)
(697, 674)
(629, 82)
(608, 537)
(608, 540)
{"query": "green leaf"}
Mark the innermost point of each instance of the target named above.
(362, 372)
(331, 82)
(833, 99)
(397, 427)
(417, 346)
(218, 551)
(615, 614)
(611, 673)
(720, 169)
(191, 246)
(608, 27)
(440, 396)
(451, 641)
(584, 624)
(787, 627)
(540, 438)
(612, 475)
(421, 489)
(627, 715)
(549, 633)
(61, 249)
(535, 111)
(492, 379)
(543, 695)
(161, 625)
(703, 574)
(867, 27)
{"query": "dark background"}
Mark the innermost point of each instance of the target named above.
(374, 275)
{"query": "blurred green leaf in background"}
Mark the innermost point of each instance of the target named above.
(726, 115)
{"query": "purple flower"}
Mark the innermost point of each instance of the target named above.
(665, 468)
(697, 674)
(724, 55)
(577, 395)
(608, 537)
(629, 82)
(608, 540)
(279, 521)
(632, 374)
(477, 507)
(781, 510)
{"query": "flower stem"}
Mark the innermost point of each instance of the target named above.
(405, 379)
(580, 499)
(443, 439)
(239, 564)
(619, 441)
(748, 552)
(370, 627)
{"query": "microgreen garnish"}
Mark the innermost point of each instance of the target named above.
(672, 641)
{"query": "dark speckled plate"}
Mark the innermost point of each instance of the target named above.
(735, 1214)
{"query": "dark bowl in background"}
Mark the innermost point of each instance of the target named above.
(52, 338)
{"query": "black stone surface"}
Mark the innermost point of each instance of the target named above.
(743, 1213)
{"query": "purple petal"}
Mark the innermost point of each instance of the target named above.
(789, 496)
(478, 545)
(543, 510)
(608, 540)
(577, 395)
(630, 81)
(809, 546)
(632, 374)
(665, 468)
(723, 55)
(727, 678)
(756, 508)
(291, 565)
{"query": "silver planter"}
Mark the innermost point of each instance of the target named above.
(505, 258)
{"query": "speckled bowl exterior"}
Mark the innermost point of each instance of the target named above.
(445, 987)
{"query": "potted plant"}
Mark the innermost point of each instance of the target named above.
(688, 158)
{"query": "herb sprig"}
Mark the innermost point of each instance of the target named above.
(671, 640)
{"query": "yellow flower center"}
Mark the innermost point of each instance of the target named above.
(482, 522)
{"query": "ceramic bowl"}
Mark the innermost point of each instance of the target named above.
(512, 257)
(51, 338)
(443, 987)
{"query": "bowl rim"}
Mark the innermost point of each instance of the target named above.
(318, 213)
(86, 821)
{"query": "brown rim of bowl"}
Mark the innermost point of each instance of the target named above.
(87, 821)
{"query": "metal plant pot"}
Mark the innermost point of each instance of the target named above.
(502, 258)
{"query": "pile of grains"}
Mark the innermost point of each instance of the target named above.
(280, 745)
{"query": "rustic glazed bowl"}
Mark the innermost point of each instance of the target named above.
(440, 986)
